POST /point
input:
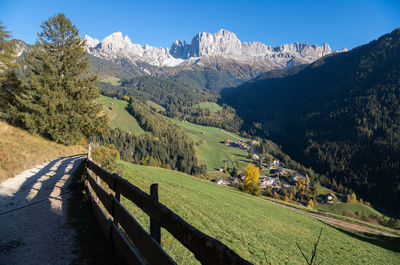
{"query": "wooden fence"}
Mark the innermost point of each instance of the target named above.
(128, 236)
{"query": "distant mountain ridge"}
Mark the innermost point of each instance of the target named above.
(210, 61)
(222, 44)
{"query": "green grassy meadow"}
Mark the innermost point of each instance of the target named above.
(213, 152)
(214, 107)
(154, 106)
(256, 229)
(342, 208)
(355, 210)
(119, 117)
(111, 80)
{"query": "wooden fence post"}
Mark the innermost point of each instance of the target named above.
(155, 229)
(98, 180)
(117, 195)
(89, 153)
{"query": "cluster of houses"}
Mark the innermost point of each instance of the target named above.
(248, 148)
(240, 144)
(280, 178)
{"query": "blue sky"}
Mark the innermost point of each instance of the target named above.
(160, 23)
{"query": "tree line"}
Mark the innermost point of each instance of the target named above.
(164, 144)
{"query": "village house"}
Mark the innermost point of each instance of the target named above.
(266, 181)
(242, 176)
(330, 198)
(219, 181)
(297, 176)
(268, 166)
(239, 144)
(234, 180)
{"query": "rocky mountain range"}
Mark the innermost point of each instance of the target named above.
(210, 61)
(207, 49)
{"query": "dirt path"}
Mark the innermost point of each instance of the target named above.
(340, 223)
(33, 221)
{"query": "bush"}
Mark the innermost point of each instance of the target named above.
(268, 192)
(252, 188)
(106, 156)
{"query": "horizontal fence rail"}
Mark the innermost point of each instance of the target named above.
(146, 248)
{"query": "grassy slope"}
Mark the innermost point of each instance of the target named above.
(252, 227)
(111, 79)
(20, 150)
(154, 106)
(214, 107)
(213, 152)
(119, 117)
(342, 208)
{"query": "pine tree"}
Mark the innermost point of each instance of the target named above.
(9, 82)
(58, 101)
(6, 53)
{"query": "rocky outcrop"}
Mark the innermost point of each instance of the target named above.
(226, 44)
(222, 44)
(116, 46)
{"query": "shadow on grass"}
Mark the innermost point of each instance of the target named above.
(389, 243)
(91, 245)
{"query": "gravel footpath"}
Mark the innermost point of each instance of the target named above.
(33, 215)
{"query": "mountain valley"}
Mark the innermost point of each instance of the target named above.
(259, 147)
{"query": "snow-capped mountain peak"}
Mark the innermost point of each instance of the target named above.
(90, 42)
(116, 46)
(223, 43)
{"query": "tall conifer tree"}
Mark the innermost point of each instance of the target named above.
(58, 101)
(9, 82)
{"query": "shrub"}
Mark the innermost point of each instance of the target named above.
(252, 188)
(106, 156)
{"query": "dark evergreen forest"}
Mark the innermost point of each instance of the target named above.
(339, 115)
(179, 101)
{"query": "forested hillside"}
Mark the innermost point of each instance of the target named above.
(163, 144)
(165, 93)
(340, 115)
(212, 79)
(179, 101)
